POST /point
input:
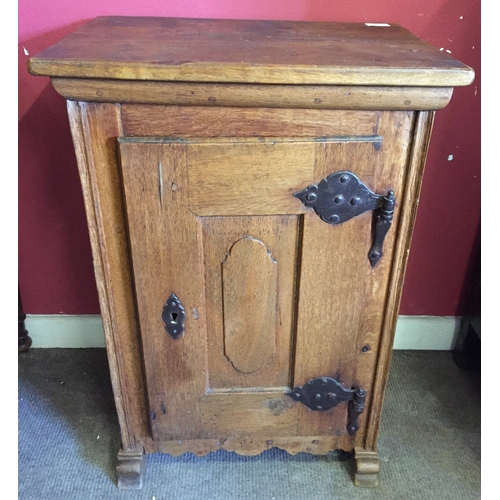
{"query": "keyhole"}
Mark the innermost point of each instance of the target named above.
(173, 317)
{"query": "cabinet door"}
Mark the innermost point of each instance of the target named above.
(271, 296)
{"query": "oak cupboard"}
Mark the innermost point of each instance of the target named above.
(251, 189)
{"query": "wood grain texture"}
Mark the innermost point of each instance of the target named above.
(94, 129)
(251, 95)
(341, 296)
(393, 158)
(248, 178)
(249, 291)
(164, 237)
(214, 50)
(248, 413)
(415, 168)
(247, 445)
(280, 235)
(167, 258)
(151, 170)
(367, 467)
(200, 121)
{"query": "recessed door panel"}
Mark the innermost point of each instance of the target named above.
(250, 269)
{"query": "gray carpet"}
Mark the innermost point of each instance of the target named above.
(429, 443)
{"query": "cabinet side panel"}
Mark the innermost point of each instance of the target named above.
(95, 128)
(166, 244)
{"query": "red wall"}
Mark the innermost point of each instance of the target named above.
(55, 262)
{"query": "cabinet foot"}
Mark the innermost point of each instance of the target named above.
(366, 468)
(130, 469)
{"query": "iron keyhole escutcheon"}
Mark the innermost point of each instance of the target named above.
(173, 316)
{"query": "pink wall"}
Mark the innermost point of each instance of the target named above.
(55, 262)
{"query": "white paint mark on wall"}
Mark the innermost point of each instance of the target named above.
(26, 53)
(461, 17)
(450, 157)
(449, 51)
(377, 24)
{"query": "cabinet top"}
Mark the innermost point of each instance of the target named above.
(244, 51)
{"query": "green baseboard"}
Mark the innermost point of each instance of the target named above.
(80, 331)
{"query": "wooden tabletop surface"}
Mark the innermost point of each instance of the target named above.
(247, 51)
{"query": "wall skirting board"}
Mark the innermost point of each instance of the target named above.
(79, 331)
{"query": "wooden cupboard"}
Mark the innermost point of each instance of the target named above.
(251, 189)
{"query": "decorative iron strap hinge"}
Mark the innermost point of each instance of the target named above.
(324, 393)
(342, 196)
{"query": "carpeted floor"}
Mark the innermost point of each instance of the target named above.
(429, 443)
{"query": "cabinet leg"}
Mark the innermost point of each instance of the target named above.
(130, 469)
(366, 468)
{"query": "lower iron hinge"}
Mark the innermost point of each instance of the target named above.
(324, 393)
